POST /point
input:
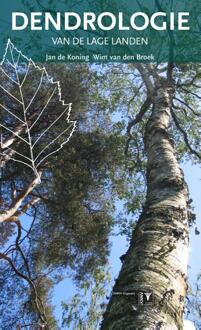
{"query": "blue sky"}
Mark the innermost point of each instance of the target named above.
(193, 178)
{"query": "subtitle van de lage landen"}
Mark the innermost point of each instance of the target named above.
(101, 41)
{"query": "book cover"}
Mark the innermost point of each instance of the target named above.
(100, 123)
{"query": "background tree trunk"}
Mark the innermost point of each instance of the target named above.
(157, 258)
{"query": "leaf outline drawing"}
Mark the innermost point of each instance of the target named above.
(11, 68)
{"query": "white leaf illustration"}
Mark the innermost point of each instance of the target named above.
(34, 120)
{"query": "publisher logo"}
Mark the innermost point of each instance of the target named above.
(137, 298)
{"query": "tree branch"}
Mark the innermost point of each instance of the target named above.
(192, 93)
(144, 108)
(16, 204)
(146, 77)
(32, 285)
(185, 135)
(188, 106)
(17, 131)
(191, 82)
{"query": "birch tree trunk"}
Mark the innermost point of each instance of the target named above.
(157, 258)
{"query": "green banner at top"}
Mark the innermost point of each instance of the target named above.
(103, 30)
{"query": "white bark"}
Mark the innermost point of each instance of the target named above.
(157, 258)
(18, 201)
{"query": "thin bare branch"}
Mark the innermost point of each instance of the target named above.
(191, 82)
(188, 106)
(38, 301)
(144, 108)
(185, 135)
(190, 92)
